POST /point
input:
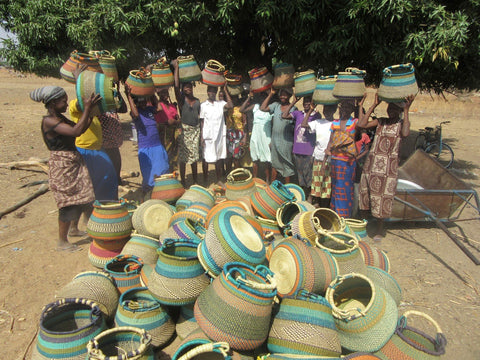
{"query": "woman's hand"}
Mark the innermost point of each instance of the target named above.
(91, 101)
(409, 100)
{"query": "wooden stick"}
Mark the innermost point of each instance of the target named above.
(26, 163)
(41, 190)
(30, 344)
(11, 243)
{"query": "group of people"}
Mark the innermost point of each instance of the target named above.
(262, 130)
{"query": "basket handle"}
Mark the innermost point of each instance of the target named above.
(403, 322)
(356, 71)
(215, 65)
(329, 77)
(331, 235)
(141, 73)
(238, 171)
(219, 347)
(388, 70)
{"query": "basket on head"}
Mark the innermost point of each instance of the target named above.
(265, 202)
(140, 83)
(100, 252)
(234, 83)
(168, 188)
(283, 74)
(142, 246)
(125, 271)
(365, 314)
(151, 218)
(109, 221)
(78, 59)
(305, 82)
(107, 63)
(220, 310)
(350, 84)
(260, 79)
(397, 83)
(188, 69)
(239, 183)
(213, 73)
(89, 82)
(323, 94)
(162, 75)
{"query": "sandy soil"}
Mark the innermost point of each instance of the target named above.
(436, 276)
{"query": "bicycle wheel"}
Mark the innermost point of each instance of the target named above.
(445, 157)
(421, 142)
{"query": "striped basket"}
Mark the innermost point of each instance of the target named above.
(323, 94)
(239, 183)
(185, 229)
(186, 323)
(270, 228)
(297, 191)
(265, 202)
(162, 75)
(168, 188)
(121, 343)
(309, 315)
(125, 271)
(188, 69)
(196, 193)
(299, 265)
(287, 212)
(145, 274)
(179, 277)
(213, 73)
(350, 84)
(283, 76)
(237, 306)
(411, 343)
(140, 83)
(305, 83)
(66, 326)
(89, 82)
(296, 357)
(229, 238)
(138, 308)
(373, 256)
(97, 286)
(386, 281)
(78, 59)
(260, 79)
(233, 205)
(100, 252)
(307, 224)
(109, 221)
(234, 84)
(151, 218)
(196, 212)
(142, 246)
(359, 227)
(107, 63)
(397, 83)
(260, 183)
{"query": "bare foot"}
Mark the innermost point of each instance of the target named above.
(68, 247)
(77, 233)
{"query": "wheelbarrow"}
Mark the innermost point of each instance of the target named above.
(426, 191)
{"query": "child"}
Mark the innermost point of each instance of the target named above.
(362, 142)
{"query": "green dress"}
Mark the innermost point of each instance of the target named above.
(282, 141)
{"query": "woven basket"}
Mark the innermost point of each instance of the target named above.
(397, 83)
(97, 286)
(350, 84)
(188, 69)
(78, 59)
(287, 212)
(100, 252)
(239, 183)
(184, 229)
(260, 183)
(361, 356)
(295, 357)
(307, 224)
(121, 343)
(142, 246)
(359, 227)
(411, 343)
(66, 326)
(168, 188)
(309, 315)
(138, 308)
(373, 256)
(229, 238)
(196, 212)
(260, 79)
(386, 281)
(233, 205)
(196, 193)
(297, 191)
(162, 75)
(265, 202)
(298, 265)
(140, 83)
(89, 82)
(186, 323)
(365, 314)
(213, 73)
(107, 63)
(109, 221)
(125, 271)
(179, 277)
(323, 94)
(283, 76)
(270, 228)
(237, 306)
(151, 218)
(305, 83)
(234, 84)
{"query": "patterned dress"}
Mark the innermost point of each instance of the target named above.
(282, 141)
(378, 183)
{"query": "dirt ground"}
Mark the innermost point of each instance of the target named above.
(436, 276)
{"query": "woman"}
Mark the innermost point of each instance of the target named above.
(282, 134)
(236, 134)
(68, 175)
(379, 177)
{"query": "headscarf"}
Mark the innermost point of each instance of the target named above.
(47, 93)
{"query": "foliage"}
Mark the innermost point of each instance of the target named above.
(441, 38)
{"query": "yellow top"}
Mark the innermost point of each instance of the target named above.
(92, 138)
(234, 119)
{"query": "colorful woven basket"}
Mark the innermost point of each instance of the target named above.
(270, 228)
(109, 221)
(121, 343)
(308, 224)
(162, 75)
(142, 246)
(188, 69)
(229, 238)
(309, 315)
(385, 281)
(179, 277)
(196, 193)
(185, 229)
(138, 308)
(66, 326)
(100, 252)
(233, 205)
(287, 212)
(373, 256)
(97, 286)
(151, 218)
(297, 191)
(283, 76)
(359, 227)
(260, 79)
(298, 265)
(305, 83)
(168, 188)
(350, 84)
(239, 183)
(323, 94)
(125, 271)
(196, 212)
(411, 343)
(237, 306)
(295, 357)
(265, 202)
(365, 314)
(107, 63)
(213, 73)
(186, 323)
(89, 82)
(397, 83)
(234, 84)
(140, 83)
(78, 59)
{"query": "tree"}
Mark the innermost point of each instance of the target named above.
(441, 38)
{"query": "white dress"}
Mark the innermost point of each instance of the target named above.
(214, 131)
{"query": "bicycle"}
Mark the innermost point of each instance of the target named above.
(430, 141)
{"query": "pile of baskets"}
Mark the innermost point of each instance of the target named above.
(259, 274)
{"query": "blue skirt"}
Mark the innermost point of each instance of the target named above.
(153, 162)
(343, 175)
